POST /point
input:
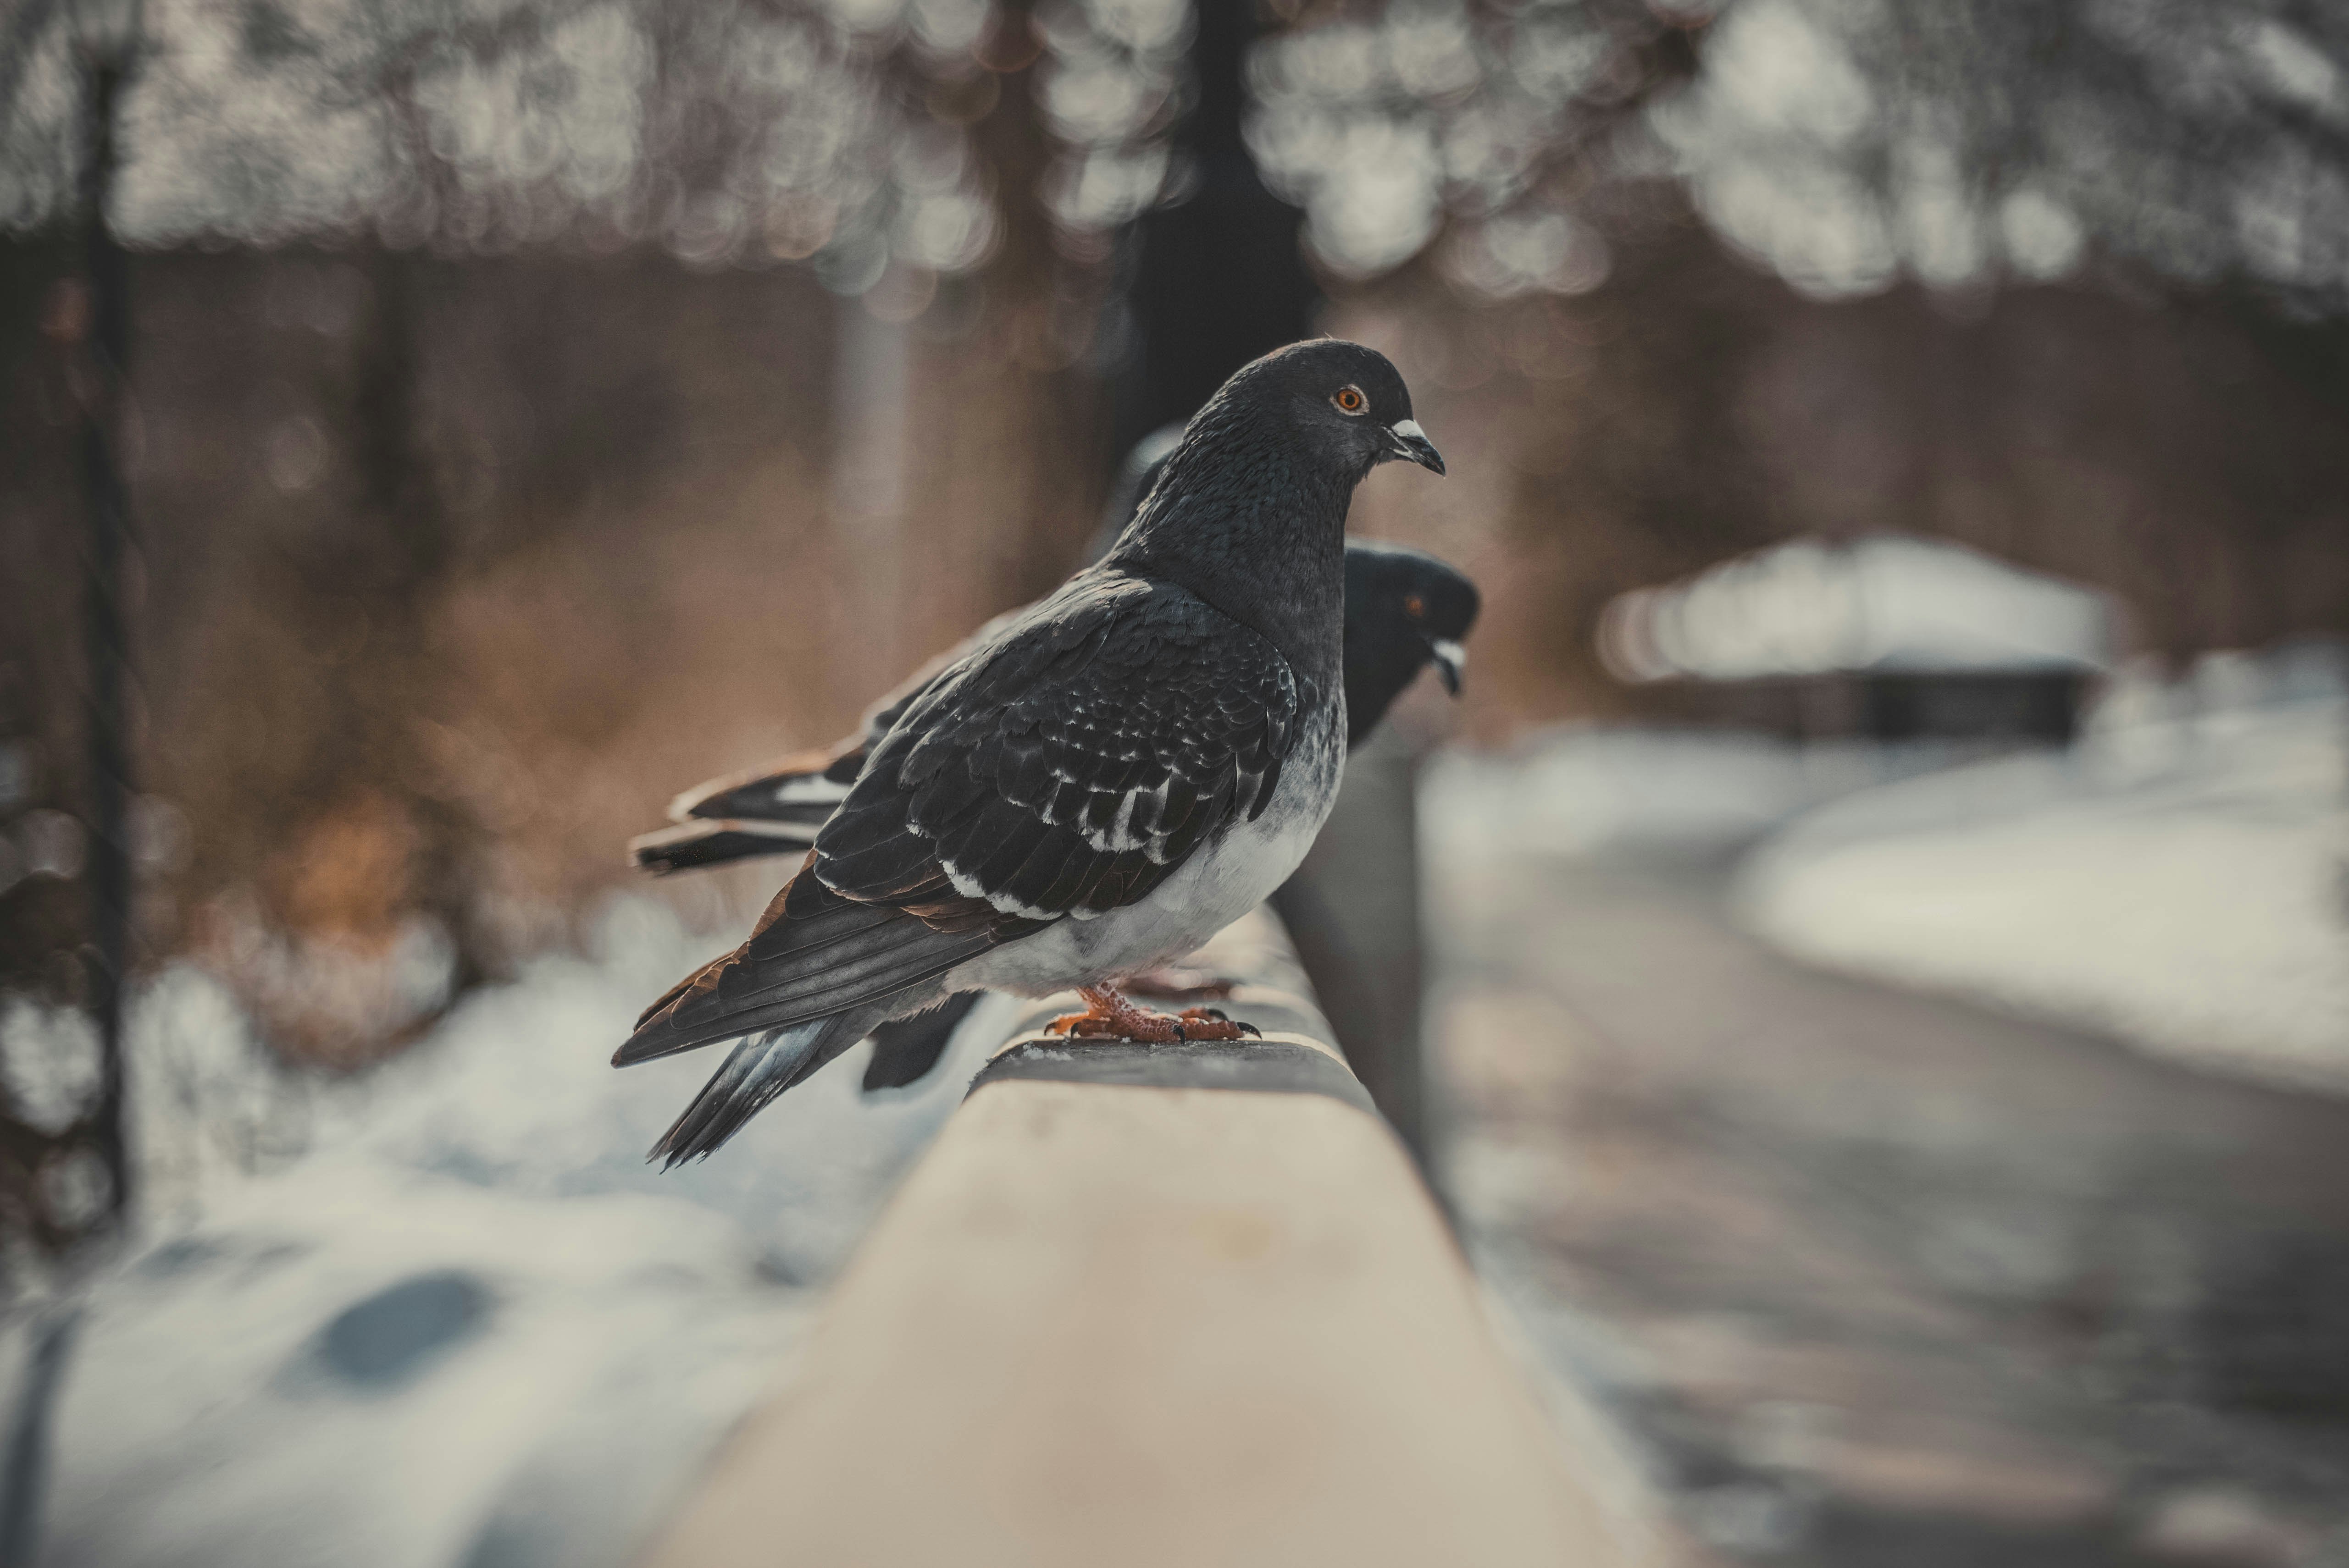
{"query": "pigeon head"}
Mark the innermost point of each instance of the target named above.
(1345, 404)
(1404, 610)
(1248, 510)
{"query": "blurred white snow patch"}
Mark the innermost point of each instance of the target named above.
(442, 1312)
(514, 1092)
(1885, 602)
(358, 1365)
(2176, 880)
(209, 1105)
(1584, 789)
(49, 1061)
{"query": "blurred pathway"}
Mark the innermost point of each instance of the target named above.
(1880, 1278)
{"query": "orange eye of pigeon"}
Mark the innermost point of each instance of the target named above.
(1349, 400)
(1414, 606)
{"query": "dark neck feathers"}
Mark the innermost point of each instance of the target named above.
(1254, 524)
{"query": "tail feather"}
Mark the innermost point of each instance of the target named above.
(805, 787)
(711, 842)
(832, 922)
(760, 1069)
(818, 971)
(668, 999)
(905, 1050)
(814, 954)
(696, 1020)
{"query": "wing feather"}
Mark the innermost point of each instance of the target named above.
(1129, 716)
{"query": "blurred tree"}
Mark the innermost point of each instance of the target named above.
(1990, 163)
(1842, 144)
(941, 151)
(1475, 134)
(2200, 144)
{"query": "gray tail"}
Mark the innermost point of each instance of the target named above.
(705, 842)
(804, 789)
(759, 1068)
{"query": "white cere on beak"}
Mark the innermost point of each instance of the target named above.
(1410, 444)
(1451, 659)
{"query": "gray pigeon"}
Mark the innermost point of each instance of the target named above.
(1101, 784)
(1405, 609)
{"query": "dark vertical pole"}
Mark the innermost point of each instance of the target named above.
(106, 365)
(1217, 277)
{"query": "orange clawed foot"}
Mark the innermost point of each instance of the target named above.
(1110, 1017)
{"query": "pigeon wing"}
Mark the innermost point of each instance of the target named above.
(1069, 769)
(1061, 772)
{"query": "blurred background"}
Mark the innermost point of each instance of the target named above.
(1888, 922)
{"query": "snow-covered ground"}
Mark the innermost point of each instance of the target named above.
(441, 1313)
(2179, 880)
(2176, 881)
(1594, 790)
(1589, 790)
(444, 1313)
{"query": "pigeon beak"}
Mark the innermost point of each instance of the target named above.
(1451, 659)
(1411, 443)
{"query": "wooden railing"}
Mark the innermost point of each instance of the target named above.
(1136, 1306)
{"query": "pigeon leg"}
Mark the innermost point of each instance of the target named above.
(1110, 1017)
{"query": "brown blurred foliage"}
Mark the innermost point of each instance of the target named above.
(456, 569)
(2181, 449)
